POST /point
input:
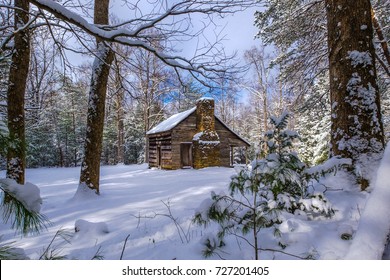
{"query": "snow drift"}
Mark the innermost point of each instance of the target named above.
(374, 226)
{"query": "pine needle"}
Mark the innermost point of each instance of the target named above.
(22, 219)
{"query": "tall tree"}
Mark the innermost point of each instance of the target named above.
(313, 124)
(145, 78)
(329, 34)
(90, 168)
(225, 94)
(149, 77)
(380, 19)
(120, 116)
(42, 86)
(298, 30)
(18, 73)
(356, 130)
(260, 88)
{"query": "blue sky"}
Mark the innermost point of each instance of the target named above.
(237, 30)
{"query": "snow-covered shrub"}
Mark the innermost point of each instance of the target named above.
(22, 206)
(262, 190)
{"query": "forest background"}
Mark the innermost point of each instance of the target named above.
(287, 68)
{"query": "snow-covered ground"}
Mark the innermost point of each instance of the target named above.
(153, 209)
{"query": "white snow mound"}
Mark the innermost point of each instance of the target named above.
(84, 227)
(374, 225)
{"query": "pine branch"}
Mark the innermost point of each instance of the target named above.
(22, 219)
(7, 252)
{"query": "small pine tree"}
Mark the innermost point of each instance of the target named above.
(261, 191)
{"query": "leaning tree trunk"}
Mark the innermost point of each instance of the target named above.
(357, 129)
(16, 156)
(90, 168)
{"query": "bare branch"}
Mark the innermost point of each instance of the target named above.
(171, 22)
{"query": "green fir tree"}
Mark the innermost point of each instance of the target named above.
(259, 193)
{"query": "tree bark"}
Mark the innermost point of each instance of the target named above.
(90, 168)
(120, 115)
(356, 129)
(16, 157)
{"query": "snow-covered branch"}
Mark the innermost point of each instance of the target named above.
(171, 21)
(4, 42)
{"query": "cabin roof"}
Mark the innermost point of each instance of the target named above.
(171, 122)
(174, 120)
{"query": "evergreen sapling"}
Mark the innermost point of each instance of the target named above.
(260, 192)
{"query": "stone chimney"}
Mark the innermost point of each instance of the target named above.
(205, 120)
(206, 144)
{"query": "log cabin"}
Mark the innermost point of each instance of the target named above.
(195, 138)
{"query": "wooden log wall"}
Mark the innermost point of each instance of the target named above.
(228, 140)
(160, 143)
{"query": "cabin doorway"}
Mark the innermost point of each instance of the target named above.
(186, 155)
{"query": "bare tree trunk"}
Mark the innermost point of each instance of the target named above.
(61, 156)
(357, 129)
(90, 168)
(16, 157)
(382, 40)
(120, 94)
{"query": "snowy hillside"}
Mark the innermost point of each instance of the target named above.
(153, 210)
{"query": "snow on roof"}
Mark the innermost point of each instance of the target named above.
(174, 120)
(171, 122)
